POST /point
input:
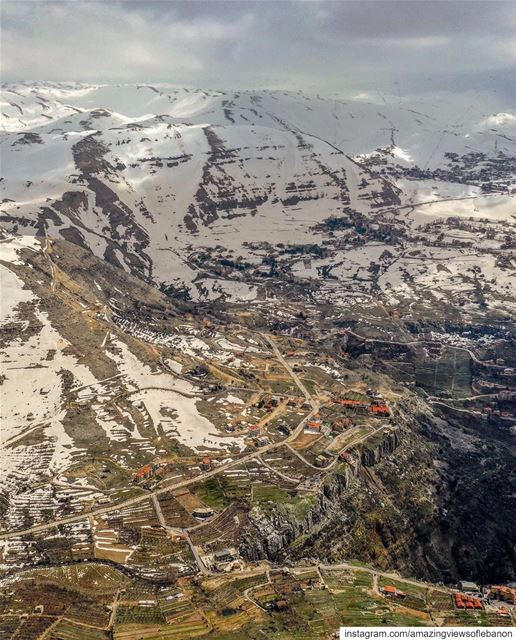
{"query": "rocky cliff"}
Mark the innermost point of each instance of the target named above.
(377, 448)
(273, 534)
(418, 504)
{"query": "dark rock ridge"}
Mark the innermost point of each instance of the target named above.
(430, 499)
(272, 535)
(375, 449)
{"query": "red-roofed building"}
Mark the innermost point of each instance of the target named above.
(380, 410)
(389, 590)
(467, 602)
(313, 426)
(508, 594)
(144, 473)
(206, 464)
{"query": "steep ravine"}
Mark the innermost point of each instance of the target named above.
(422, 508)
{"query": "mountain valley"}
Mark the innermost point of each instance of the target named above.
(258, 360)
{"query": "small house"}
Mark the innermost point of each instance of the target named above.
(144, 473)
(392, 592)
(206, 464)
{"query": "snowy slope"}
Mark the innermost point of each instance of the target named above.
(71, 390)
(151, 177)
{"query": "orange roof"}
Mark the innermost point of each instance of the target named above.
(504, 589)
(508, 592)
(390, 589)
(379, 408)
(144, 470)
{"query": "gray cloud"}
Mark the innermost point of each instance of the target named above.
(323, 46)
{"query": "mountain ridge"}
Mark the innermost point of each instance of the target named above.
(148, 194)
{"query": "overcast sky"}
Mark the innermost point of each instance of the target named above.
(391, 46)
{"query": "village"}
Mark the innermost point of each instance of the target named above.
(213, 453)
(175, 531)
(106, 601)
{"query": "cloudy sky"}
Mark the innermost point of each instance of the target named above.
(339, 46)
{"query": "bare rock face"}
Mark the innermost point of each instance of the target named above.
(378, 448)
(405, 509)
(273, 534)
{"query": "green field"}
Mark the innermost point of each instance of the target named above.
(269, 498)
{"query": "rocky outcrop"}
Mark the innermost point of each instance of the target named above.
(376, 448)
(428, 499)
(272, 535)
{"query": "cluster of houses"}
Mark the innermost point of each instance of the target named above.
(494, 410)
(376, 406)
(473, 598)
(255, 433)
(470, 596)
(315, 425)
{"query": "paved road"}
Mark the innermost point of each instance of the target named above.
(475, 414)
(292, 373)
(354, 568)
(309, 464)
(392, 576)
(257, 586)
(277, 471)
(189, 481)
(182, 532)
(176, 485)
(350, 445)
(200, 564)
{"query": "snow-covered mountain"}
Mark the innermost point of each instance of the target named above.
(228, 194)
(171, 260)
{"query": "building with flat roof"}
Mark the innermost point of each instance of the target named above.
(468, 587)
(224, 555)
